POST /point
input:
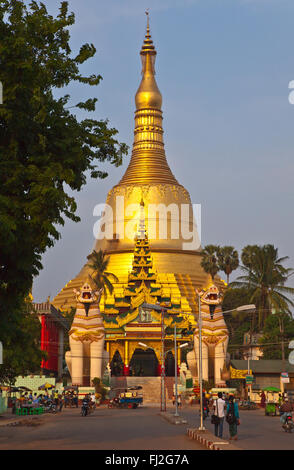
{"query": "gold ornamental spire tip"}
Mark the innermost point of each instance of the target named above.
(148, 46)
(148, 94)
(147, 14)
(148, 163)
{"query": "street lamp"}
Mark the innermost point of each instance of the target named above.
(176, 368)
(242, 308)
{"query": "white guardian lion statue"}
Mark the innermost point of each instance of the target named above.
(86, 358)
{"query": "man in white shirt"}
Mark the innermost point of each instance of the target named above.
(219, 410)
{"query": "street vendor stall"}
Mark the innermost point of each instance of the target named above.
(271, 401)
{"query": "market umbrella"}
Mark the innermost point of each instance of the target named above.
(46, 386)
(271, 389)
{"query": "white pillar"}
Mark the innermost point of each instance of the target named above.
(96, 357)
(219, 360)
(204, 357)
(77, 361)
(68, 362)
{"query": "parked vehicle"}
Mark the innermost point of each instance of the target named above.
(126, 398)
(50, 407)
(247, 405)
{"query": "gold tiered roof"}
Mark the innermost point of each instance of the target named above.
(144, 285)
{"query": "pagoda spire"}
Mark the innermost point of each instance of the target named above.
(148, 164)
(142, 227)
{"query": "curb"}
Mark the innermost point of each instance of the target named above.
(208, 440)
(172, 418)
(20, 420)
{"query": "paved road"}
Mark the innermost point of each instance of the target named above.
(110, 429)
(256, 431)
(141, 429)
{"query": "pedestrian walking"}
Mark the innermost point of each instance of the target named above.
(60, 399)
(233, 418)
(218, 415)
(262, 400)
(76, 400)
(35, 400)
(66, 400)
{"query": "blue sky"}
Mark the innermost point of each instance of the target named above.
(223, 68)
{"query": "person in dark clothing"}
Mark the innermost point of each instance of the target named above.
(233, 418)
(205, 403)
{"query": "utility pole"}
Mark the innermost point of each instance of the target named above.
(176, 370)
(201, 428)
(163, 400)
(281, 323)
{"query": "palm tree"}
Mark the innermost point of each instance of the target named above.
(266, 276)
(99, 264)
(248, 255)
(228, 260)
(209, 260)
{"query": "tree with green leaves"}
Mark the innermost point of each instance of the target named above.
(21, 336)
(248, 255)
(266, 276)
(228, 260)
(274, 336)
(209, 261)
(101, 277)
(45, 150)
(238, 323)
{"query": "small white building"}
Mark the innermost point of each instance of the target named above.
(251, 348)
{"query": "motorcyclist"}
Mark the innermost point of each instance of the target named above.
(86, 403)
(285, 410)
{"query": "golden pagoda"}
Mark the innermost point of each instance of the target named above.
(176, 270)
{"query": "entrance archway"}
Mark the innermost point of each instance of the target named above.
(117, 365)
(170, 365)
(144, 363)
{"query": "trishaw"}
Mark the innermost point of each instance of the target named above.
(129, 397)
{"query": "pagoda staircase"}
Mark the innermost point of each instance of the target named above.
(151, 387)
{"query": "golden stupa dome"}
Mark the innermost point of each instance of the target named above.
(148, 182)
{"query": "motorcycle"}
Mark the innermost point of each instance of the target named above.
(85, 408)
(288, 424)
(51, 407)
(114, 403)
